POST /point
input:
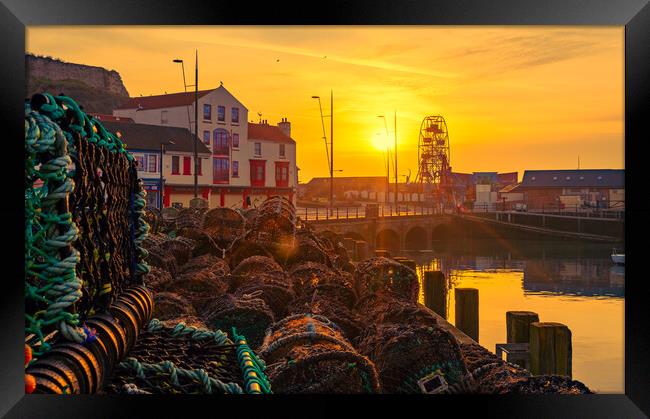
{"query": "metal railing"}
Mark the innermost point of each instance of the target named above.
(613, 212)
(345, 213)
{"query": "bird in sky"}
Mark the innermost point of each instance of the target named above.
(277, 61)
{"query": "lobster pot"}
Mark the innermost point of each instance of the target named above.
(258, 265)
(168, 305)
(180, 249)
(190, 217)
(190, 321)
(249, 315)
(244, 249)
(163, 260)
(273, 288)
(152, 241)
(157, 278)
(212, 263)
(275, 227)
(337, 287)
(199, 288)
(415, 359)
(492, 375)
(308, 248)
(223, 225)
(307, 354)
(249, 214)
(348, 321)
(202, 243)
(381, 273)
(170, 358)
(389, 307)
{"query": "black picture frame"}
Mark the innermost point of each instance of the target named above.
(633, 14)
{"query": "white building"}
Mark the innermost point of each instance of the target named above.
(249, 162)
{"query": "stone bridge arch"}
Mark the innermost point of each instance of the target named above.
(416, 238)
(388, 239)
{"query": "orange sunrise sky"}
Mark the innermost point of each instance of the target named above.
(514, 98)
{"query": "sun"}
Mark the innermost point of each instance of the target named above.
(379, 141)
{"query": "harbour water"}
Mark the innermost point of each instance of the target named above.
(566, 282)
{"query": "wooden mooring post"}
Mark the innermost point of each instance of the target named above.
(518, 325)
(467, 311)
(435, 292)
(550, 349)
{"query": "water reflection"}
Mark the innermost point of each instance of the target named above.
(568, 282)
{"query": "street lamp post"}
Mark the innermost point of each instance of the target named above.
(331, 155)
(196, 117)
(162, 152)
(387, 159)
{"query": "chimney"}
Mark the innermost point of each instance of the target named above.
(285, 126)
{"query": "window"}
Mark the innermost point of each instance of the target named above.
(140, 160)
(200, 167)
(187, 162)
(163, 117)
(234, 115)
(220, 141)
(206, 137)
(282, 150)
(221, 113)
(176, 165)
(258, 149)
(235, 141)
(235, 169)
(207, 112)
(220, 170)
(153, 163)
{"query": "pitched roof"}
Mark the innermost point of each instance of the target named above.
(588, 178)
(510, 188)
(149, 137)
(171, 100)
(268, 133)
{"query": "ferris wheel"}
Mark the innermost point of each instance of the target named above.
(434, 169)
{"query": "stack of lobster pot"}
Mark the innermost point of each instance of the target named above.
(412, 353)
(74, 368)
(327, 292)
(274, 227)
(307, 353)
(263, 277)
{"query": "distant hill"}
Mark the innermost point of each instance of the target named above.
(94, 88)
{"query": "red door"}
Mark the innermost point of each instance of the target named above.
(258, 175)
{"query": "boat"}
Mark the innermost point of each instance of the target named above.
(618, 258)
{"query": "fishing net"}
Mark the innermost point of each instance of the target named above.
(307, 354)
(249, 315)
(203, 244)
(189, 321)
(168, 305)
(258, 265)
(381, 273)
(199, 288)
(409, 356)
(152, 241)
(249, 215)
(81, 187)
(544, 384)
